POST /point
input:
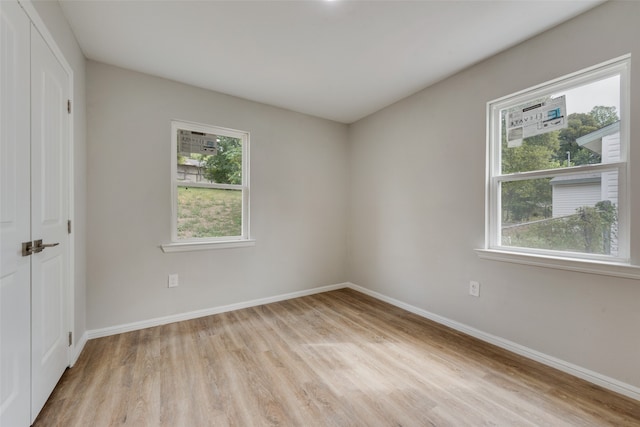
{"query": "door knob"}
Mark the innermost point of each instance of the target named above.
(38, 246)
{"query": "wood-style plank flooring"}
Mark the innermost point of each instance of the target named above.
(339, 358)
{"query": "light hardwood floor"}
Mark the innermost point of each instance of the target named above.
(339, 358)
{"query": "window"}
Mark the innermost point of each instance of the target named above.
(210, 186)
(557, 167)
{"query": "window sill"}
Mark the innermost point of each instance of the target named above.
(627, 271)
(205, 246)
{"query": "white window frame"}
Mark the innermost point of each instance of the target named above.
(599, 264)
(182, 245)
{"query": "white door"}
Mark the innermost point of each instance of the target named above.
(49, 214)
(15, 309)
(34, 179)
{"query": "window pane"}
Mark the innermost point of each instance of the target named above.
(209, 212)
(586, 132)
(205, 157)
(192, 167)
(225, 167)
(575, 212)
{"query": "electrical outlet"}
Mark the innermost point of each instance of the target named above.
(173, 280)
(474, 288)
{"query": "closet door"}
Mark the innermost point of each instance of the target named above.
(49, 214)
(34, 203)
(15, 330)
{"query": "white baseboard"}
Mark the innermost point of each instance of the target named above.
(564, 366)
(77, 349)
(128, 327)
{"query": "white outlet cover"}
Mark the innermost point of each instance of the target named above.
(173, 280)
(474, 288)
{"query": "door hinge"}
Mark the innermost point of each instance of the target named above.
(68, 226)
(69, 106)
(70, 339)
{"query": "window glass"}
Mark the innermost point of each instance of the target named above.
(208, 212)
(210, 184)
(567, 213)
(557, 167)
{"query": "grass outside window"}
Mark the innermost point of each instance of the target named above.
(209, 212)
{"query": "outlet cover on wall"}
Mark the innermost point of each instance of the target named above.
(474, 288)
(173, 280)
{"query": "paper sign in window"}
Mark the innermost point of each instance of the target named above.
(536, 118)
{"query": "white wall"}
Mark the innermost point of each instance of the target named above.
(298, 201)
(417, 206)
(56, 23)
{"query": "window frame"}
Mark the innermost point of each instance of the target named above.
(494, 176)
(204, 243)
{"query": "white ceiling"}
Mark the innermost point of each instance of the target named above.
(340, 60)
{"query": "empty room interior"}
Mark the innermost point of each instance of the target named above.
(320, 213)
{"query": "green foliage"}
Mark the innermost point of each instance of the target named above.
(535, 153)
(225, 167)
(594, 225)
(526, 200)
(530, 199)
(590, 230)
(580, 124)
(604, 116)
